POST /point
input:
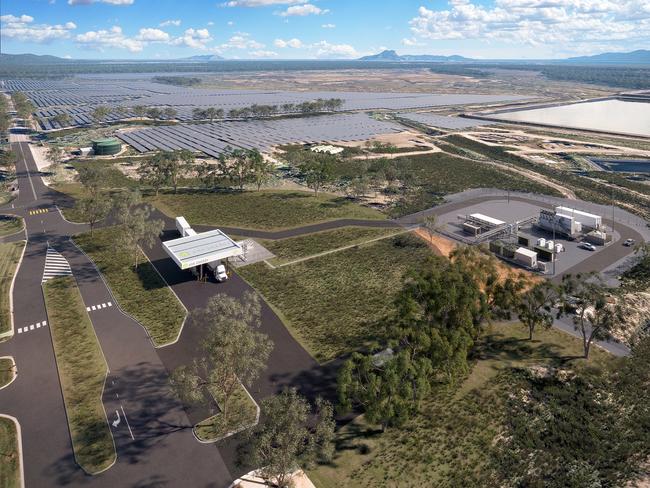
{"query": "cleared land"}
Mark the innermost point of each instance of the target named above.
(450, 443)
(242, 413)
(9, 257)
(82, 371)
(141, 292)
(6, 371)
(9, 455)
(333, 304)
(287, 250)
(9, 225)
(270, 210)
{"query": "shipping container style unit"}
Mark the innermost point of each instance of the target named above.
(526, 257)
(587, 220)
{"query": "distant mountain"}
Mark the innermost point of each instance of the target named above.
(30, 59)
(642, 56)
(204, 58)
(390, 55)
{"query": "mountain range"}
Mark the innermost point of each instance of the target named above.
(390, 55)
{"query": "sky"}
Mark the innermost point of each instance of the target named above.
(322, 29)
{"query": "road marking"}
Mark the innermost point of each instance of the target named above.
(93, 307)
(127, 422)
(31, 327)
(116, 422)
(35, 326)
(110, 304)
(29, 176)
(99, 306)
(20, 330)
(55, 265)
(38, 211)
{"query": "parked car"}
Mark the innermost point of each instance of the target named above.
(219, 271)
(629, 242)
(587, 246)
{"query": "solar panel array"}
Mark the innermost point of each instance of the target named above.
(79, 96)
(213, 139)
(444, 121)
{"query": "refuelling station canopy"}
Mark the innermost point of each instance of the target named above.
(202, 248)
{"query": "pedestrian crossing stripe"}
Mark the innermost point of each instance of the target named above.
(38, 211)
(28, 328)
(55, 266)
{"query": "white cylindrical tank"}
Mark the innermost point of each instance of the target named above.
(541, 242)
(559, 248)
(549, 245)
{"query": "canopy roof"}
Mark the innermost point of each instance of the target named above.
(202, 248)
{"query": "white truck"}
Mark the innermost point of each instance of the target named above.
(183, 227)
(219, 271)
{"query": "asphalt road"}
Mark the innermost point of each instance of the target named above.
(155, 445)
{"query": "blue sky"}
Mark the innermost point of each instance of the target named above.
(296, 29)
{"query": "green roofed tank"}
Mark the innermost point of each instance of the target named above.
(106, 147)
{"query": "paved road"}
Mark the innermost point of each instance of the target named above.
(156, 446)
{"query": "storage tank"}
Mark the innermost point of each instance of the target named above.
(106, 147)
(541, 242)
(549, 245)
(559, 248)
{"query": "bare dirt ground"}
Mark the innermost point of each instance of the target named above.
(420, 80)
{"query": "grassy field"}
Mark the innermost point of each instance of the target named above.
(332, 304)
(9, 455)
(9, 257)
(141, 292)
(281, 209)
(10, 225)
(242, 413)
(308, 245)
(6, 371)
(82, 371)
(450, 443)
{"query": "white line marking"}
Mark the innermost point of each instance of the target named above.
(127, 422)
(44, 323)
(103, 305)
(29, 176)
(38, 326)
(93, 307)
(31, 327)
(20, 330)
(110, 304)
(88, 309)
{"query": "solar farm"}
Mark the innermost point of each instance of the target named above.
(213, 139)
(444, 121)
(79, 96)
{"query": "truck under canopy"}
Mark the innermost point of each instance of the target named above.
(206, 247)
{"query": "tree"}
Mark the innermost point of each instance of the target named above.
(100, 113)
(282, 442)
(318, 170)
(359, 187)
(213, 113)
(170, 112)
(154, 113)
(93, 178)
(93, 208)
(139, 230)
(261, 169)
(198, 113)
(233, 352)
(63, 119)
(139, 110)
(595, 318)
(238, 165)
(430, 224)
(535, 307)
(390, 391)
(54, 155)
(156, 171)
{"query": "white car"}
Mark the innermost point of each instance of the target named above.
(588, 246)
(220, 273)
(628, 242)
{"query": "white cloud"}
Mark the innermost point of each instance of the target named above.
(23, 29)
(242, 40)
(167, 23)
(294, 43)
(152, 35)
(193, 38)
(260, 3)
(328, 26)
(110, 2)
(326, 50)
(303, 10)
(263, 54)
(412, 41)
(111, 38)
(231, 23)
(561, 25)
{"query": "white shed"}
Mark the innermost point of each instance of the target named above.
(526, 257)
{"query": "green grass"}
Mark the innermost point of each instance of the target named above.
(261, 210)
(9, 256)
(10, 225)
(332, 304)
(82, 372)
(9, 455)
(450, 443)
(141, 292)
(6, 371)
(293, 248)
(242, 413)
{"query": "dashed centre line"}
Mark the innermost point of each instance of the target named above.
(94, 308)
(27, 328)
